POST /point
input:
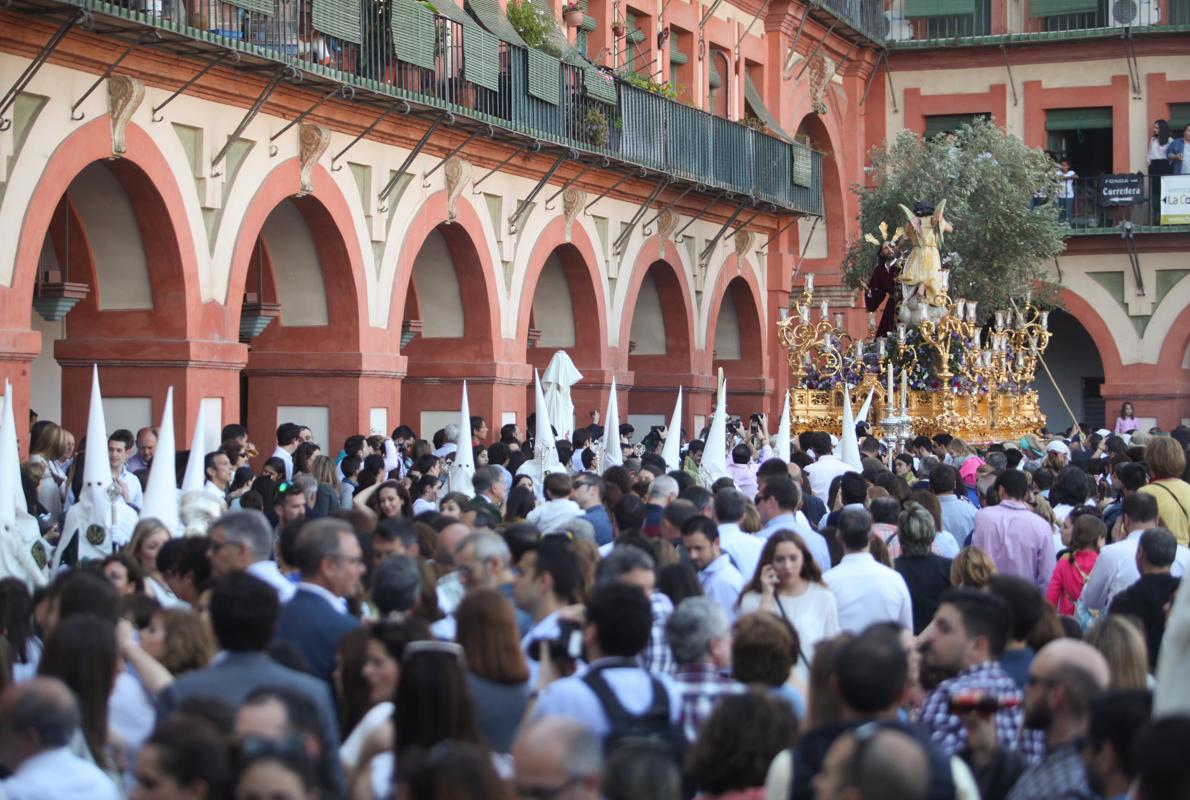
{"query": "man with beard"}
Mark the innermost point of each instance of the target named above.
(1116, 718)
(1063, 679)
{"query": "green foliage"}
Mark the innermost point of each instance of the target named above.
(535, 24)
(595, 127)
(666, 90)
(988, 179)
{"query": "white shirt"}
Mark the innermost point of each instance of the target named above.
(214, 491)
(1115, 570)
(377, 716)
(722, 583)
(823, 471)
(866, 591)
(287, 457)
(633, 687)
(135, 492)
(814, 614)
(270, 573)
(336, 602)
(58, 773)
(743, 548)
(1157, 150)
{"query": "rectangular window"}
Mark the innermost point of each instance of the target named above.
(1074, 119)
(949, 123)
(1179, 116)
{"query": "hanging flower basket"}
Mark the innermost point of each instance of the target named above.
(573, 14)
(619, 27)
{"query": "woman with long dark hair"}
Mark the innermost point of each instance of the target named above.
(497, 672)
(1159, 166)
(82, 653)
(1126, 423)
(788, 584)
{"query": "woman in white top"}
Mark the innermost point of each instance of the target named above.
(1158, 165)
(48, 447)
(789, 584)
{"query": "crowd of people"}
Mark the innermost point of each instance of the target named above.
(948, 621)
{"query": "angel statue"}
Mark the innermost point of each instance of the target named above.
(882, 283)
(921, 278)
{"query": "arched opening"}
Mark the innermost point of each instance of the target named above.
(823, 238)
(447, 313)
(737, 342)
(565, 315)
(1075, 362)
(659, 347)
(299, 262)
(108, 233)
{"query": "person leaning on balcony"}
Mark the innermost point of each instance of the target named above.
(1177, 153)
(1159, 165)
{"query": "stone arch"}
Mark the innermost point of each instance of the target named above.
(737, 289)
(124, 224)
(825, 137)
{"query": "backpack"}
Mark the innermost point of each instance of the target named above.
(653, 728)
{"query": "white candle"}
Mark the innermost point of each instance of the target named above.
(889, 395)
(961, 308)
(839, 320)
(971, 311)
(904, 390)
(880, 347)
(1045, 320)
(809, 281)
(804, 313)
(1029, 297)
(825, 310)
(978, 336)
(1020, 360)
(944, 279)
(999, 319)
(871, 319)
(1033, 345)
(859, 351)
(901, 333)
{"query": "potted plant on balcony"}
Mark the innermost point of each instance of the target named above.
(619, 27)
(534, 24)
(573, 14)
(595, 127)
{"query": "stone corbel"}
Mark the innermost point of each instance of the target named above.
(458, 175)
(573, 200)
(124, 96)
(743, 243)
(313, 141)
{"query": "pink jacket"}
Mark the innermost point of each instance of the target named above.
(1066, 585)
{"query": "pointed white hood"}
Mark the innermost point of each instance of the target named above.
(462, 469)
(781, 440)
(97, 472)
(613, 456)
(22, 536)
(862, 416)
(848, 444)
(161, 494)
(671, 451)
(12, 498)
(714, 455)
(194, 478)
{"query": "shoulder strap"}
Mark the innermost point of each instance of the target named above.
(617, 715)
(1169, 491)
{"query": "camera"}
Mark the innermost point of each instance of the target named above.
(566, 645)
(966, 702)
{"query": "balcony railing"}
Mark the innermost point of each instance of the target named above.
(450, 63)
(1110, 203)
(934, 22)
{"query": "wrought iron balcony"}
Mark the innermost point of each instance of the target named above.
(444, 58)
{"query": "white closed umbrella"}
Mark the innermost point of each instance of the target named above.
(781, 440)
(714, 454)
(560, 374)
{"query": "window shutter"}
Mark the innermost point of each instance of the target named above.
(415, 33)
(338, 18)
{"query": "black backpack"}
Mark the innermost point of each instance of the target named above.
(653, 728)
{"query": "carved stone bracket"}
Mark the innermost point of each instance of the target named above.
(822, 70)
(667, 223)
(573, 200)
(743, 243)
(458, 175)
(313, 141)
(124, 96)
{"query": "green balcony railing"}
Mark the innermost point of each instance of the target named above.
(408, 50)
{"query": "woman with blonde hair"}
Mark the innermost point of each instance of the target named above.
(964, 459)
(179, 640)
(48, 447)
(971, 567)
(1122, 643)
(148, 537)
(1166, 461)
(326, 499)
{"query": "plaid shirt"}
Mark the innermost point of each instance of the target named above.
(701, 686)
(656, 657)
(946, 729)
(1061, 774)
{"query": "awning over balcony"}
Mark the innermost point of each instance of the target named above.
(415, 33)
(752, 96)
(338, 18)
(490, 16)
(1074, 119)
(1056, 8)
(939, 8)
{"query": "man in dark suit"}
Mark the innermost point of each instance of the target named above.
(331, 562)
(1146, 599)
(244, 613)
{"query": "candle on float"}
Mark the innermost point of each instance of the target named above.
(1045, 320)
(1020, 360)
(971, 310)
(944, 279)
(978, 336)
(999, 319)
(871, 319)
(901, 332)
(960, 308)
(904, 390)
(859, 351)
(1033, 345)
(809, 281)
(889, 394)
(804, 313)
(1029, 297)
(839, 320)
(880, 347)
(825, 310)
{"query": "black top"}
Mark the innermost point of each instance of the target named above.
(1146, 601)
(927, 578)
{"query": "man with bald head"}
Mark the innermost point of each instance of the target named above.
(37, 719)
(873, 763)
(557, 758)
(1065, 676)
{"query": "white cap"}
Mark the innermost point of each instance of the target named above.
(1057, 446)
